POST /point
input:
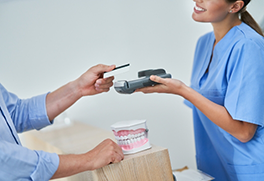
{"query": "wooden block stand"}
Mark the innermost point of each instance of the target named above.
(149, 165)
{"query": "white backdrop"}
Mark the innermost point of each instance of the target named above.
(46, 43)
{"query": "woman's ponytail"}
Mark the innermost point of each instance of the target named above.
(249, 20)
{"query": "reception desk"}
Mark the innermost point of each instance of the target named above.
(149, 165)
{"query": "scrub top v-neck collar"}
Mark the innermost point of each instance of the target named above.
(213, 53)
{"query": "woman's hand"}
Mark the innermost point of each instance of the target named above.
(167, 85)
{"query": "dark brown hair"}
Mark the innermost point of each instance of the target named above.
(247, 18)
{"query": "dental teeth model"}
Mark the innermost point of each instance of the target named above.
(131, 136)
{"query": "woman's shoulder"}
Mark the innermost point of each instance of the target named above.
(248, 36)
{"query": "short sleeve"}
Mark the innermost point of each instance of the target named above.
(245, 76)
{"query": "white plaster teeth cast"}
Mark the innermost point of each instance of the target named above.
(131, 136)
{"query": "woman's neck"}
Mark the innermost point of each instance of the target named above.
(222, 28)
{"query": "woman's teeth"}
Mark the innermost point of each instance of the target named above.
(199, 9)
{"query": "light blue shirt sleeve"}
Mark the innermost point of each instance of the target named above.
(20, 163)
(16, 161)
(26, 114)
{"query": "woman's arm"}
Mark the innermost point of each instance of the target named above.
(218, 114)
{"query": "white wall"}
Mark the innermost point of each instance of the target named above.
(46, 43)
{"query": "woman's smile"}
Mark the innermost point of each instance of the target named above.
(198, 9)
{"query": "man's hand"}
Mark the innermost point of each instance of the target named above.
(103, 154)
(92, 81)
(89, 83)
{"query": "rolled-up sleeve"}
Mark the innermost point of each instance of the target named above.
(27, 114)
(38, 113)
(20, 163)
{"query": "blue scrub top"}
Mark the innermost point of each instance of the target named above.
(235, 80)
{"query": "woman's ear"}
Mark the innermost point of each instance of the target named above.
(237, 6)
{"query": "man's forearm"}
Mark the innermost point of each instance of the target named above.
(70, 165)
(103, 154)
(61, 99)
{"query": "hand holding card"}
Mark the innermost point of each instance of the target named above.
(117, 70)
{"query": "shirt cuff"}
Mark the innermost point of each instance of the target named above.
(47, 165)
(38, 117)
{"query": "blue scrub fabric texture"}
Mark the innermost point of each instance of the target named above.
(235, 80)
(16, 161)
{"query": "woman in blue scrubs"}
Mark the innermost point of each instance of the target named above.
(226, 92)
